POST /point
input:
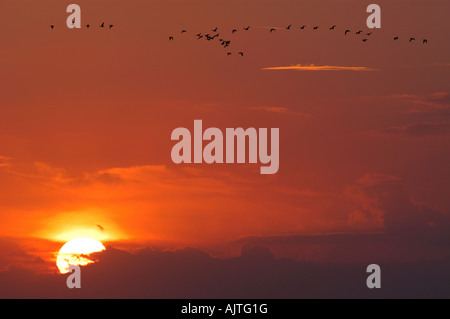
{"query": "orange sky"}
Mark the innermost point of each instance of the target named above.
(86, 118)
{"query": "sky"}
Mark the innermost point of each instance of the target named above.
(86, 118)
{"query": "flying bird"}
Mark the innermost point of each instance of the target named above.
(234, 30)
(396, 38)
(111, 25)
(412, 39)
(102, 25)
(198, 34)
(425, 41)
(302, 27)
(359, 32)
(229, 53)
(241, 53)
(52, 26)
(316, 27)
(183, 31)
(214, 30)
(332, 28)
(364, 40)
(246, 29)
(289, 27)
(199, 37)
(346, 31)
(369, 33)
(88, 25)
(100, 227)
(170, 38)
(271, 30)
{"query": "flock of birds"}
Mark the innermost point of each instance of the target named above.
(226, 43)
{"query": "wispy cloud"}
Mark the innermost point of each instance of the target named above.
(313, 67)
(279, 110)
(425, 103)
(418, 130)
(4, 161)
(440, 64)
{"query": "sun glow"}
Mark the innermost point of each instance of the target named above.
(76, 252)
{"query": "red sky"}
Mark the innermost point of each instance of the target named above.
(86, 118)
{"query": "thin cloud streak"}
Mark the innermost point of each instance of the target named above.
(313, 67)
(279, 110)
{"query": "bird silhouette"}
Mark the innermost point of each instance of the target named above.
(198, 34)
(88, 25)
(425, 41)
(229, 53)
(359, 32)
(214, 30)
(234, 30)
(369, 33)
(302, 27)
(183, 31)
(289, 27)
(271, 30)
(395, 38)
(111, 25)
(346, 31)
(170, 38)
(364, 40)
(199, 37)
(241, 53)
(52, 26)
(412, 39)
(246, 29)
(332, 28)
(102, 25)
(100, 227)
(316, 27)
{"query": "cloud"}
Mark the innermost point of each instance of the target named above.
(440, 64)
(279, 110)
(4, 161)
(26, 253)
(418, 130)
(388, 225)
(194, 274)
(385, 198)
(182, 204)
(313, 67)
(437, 102)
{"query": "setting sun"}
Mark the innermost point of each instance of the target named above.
(75, 252)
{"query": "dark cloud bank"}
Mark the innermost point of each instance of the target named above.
(191, 273)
